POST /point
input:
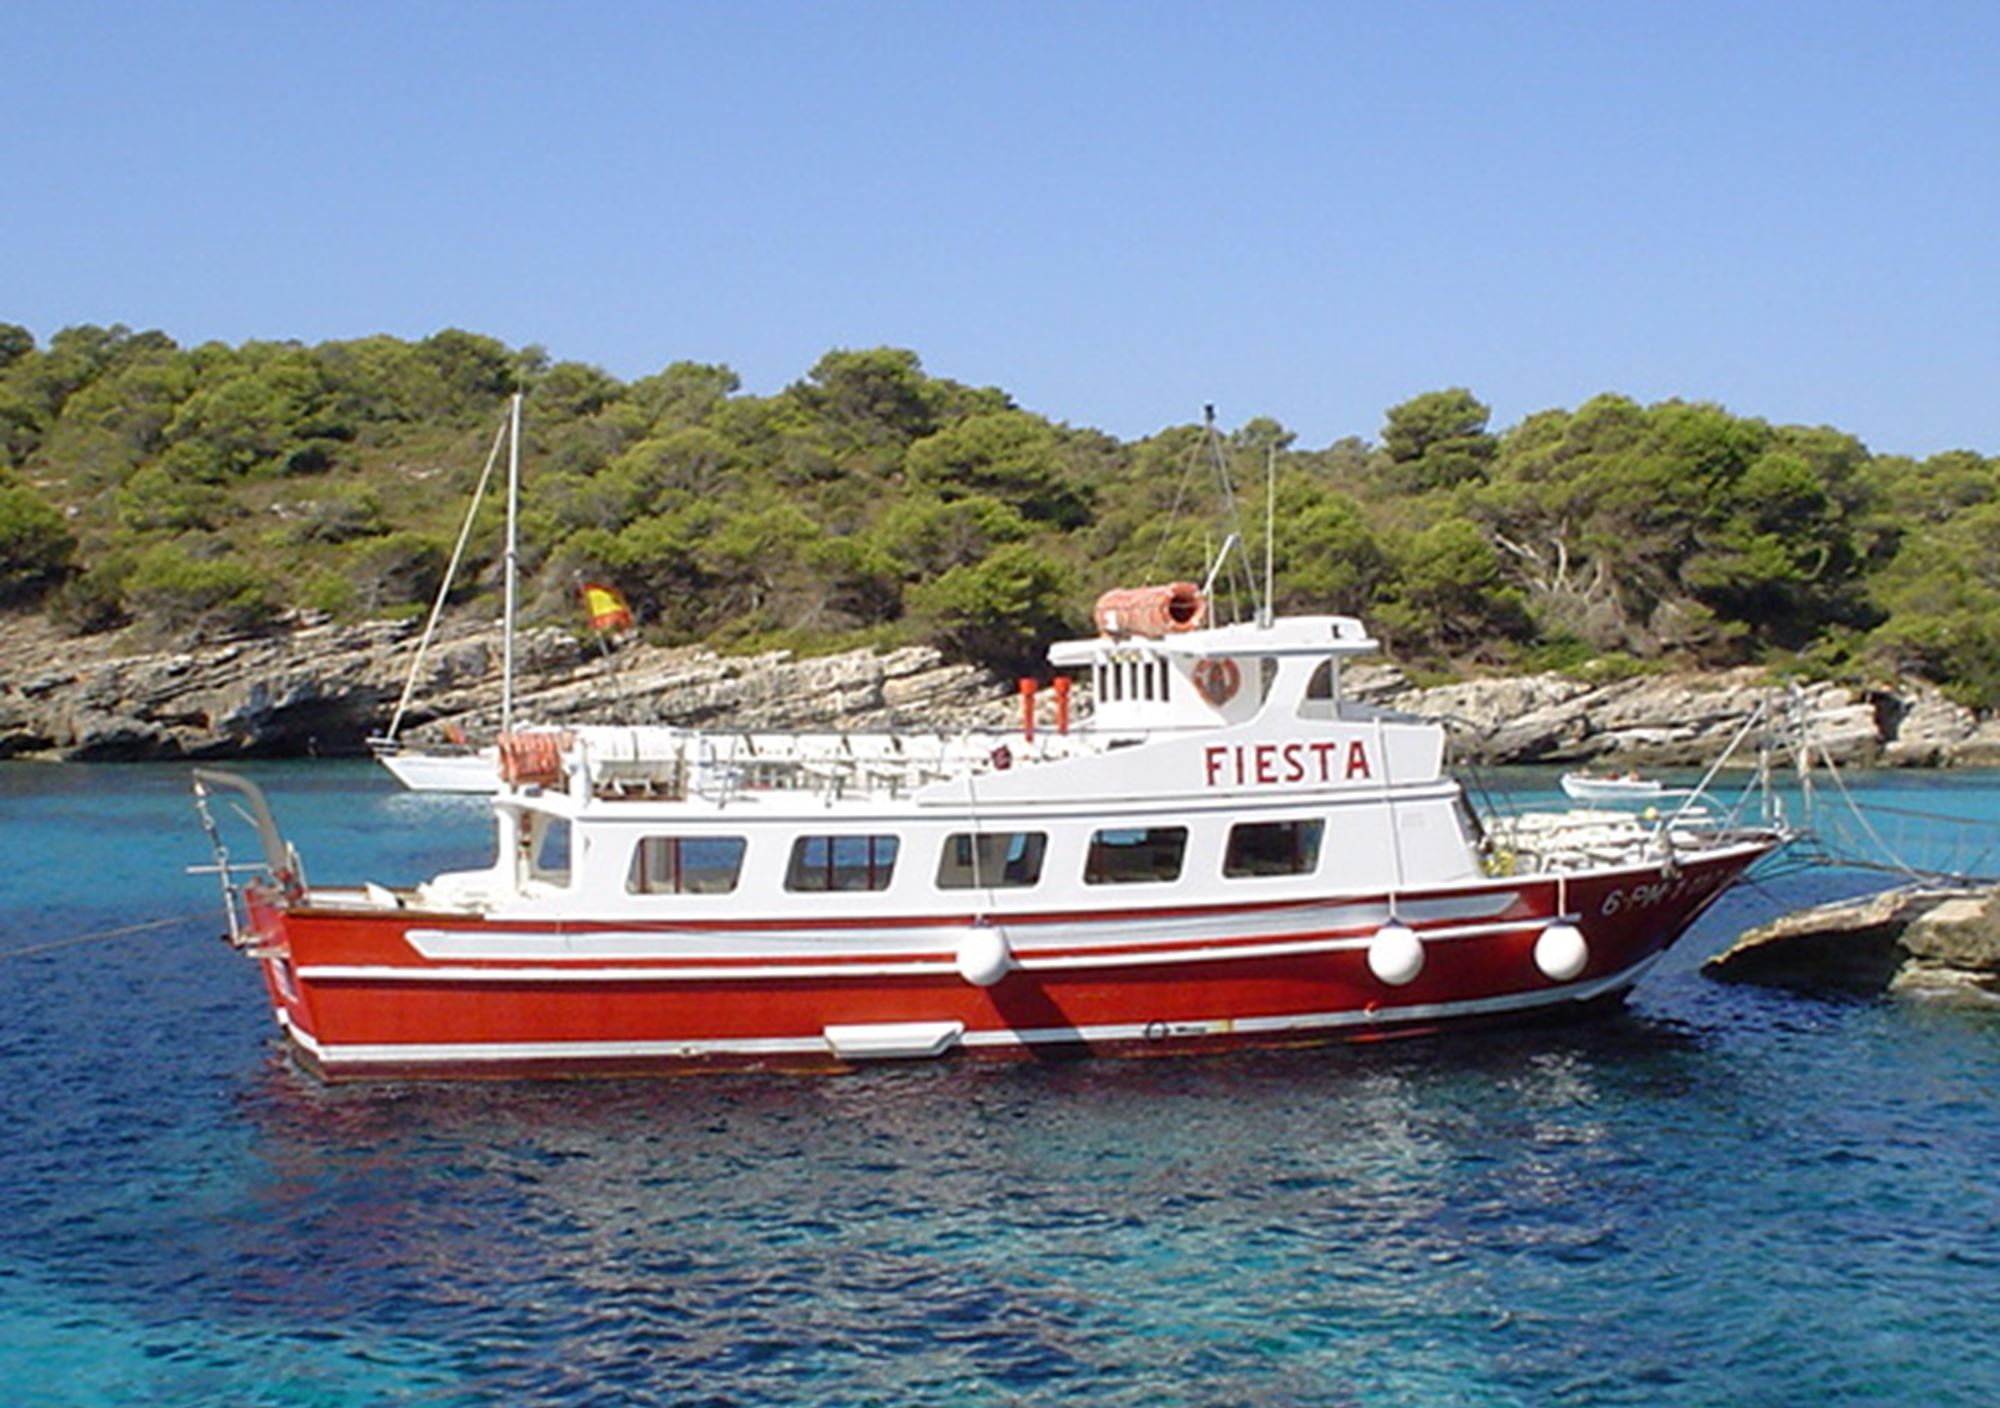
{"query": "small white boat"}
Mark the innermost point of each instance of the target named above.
(474, 771)
(1590, 787)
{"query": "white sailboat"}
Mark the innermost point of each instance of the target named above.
(467, 768)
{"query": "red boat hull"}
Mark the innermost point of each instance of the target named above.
(359, 998)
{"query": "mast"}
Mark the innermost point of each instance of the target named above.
(444, 588)
(513, 517)
(1268, 610)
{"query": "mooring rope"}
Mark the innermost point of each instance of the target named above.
(1951, 817)
(123, 931)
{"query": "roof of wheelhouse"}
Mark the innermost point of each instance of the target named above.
(1286, 635)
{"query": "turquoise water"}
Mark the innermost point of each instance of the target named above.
(1720, 1196)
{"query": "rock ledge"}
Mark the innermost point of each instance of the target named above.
(321, 687)
(1940, 943)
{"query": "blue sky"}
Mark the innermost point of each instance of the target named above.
(1115, 212)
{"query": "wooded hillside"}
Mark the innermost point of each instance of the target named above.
(215, 488)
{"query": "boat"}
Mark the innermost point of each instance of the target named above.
(469, 770)
(459, 766)
(1629, 787)
(1209, 845)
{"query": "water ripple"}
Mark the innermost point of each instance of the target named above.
(1721, 1196)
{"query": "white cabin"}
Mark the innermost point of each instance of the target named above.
(1208, 766)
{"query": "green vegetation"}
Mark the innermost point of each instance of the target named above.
(213, 488)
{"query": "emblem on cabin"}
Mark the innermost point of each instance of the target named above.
(1218, 679)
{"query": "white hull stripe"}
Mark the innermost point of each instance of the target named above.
(335, 1057)
(928, 966)
(926, 936)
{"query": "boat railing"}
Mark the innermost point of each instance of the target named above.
(677, 764)
(1580, 838)
(279, 867)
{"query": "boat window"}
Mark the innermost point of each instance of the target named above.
(841, 863)
(1322, 693)
(686, 865)
(998, 859)
(1273, 848)
(1143, 680)
(1134, 855)
(549, 859)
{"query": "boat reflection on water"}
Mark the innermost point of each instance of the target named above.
(910, 1226)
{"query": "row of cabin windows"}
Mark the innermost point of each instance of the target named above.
(1132, 679)
(1151, 681)
(704, 865)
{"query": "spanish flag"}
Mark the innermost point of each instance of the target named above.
(606, 607)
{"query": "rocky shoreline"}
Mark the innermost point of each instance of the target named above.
(323, 688)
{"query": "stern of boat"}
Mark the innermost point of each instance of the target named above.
(257, 896)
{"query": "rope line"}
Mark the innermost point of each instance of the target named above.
(99, 936)
(1934, 816)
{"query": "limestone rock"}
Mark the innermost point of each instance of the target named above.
(1926, 728)
(1954, 951)
(322, 687)
(1531, 718)
(1656, 721)
(1919, 941)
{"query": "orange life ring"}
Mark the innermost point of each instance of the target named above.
(1218, 679)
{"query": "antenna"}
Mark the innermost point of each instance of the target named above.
(1241, 574)
(1232, 519)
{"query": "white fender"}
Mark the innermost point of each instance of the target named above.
(983, 956)
(1396, 954)
(1561, 952)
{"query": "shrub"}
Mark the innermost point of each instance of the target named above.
(328, 591)
(397, 568)
(339, 517)
(36, 546)
(1001, 612)
(170, 588)
(153, 500)
(91, 602)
